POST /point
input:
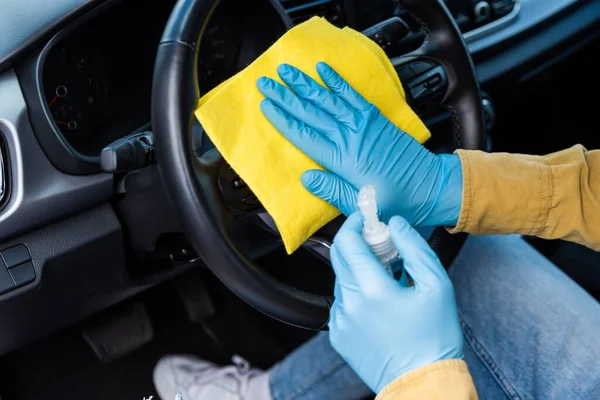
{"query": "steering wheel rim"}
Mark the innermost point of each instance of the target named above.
(192, 181)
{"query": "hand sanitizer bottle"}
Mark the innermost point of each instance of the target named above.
(377, 234)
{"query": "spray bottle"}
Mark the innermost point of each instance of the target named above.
(377, 234)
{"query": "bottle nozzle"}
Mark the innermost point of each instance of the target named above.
(367, 203)
(375, 232)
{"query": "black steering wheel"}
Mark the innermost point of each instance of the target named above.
(193, 181)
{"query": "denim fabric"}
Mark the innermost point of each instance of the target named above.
(315, 371)
(530, 332)
(536, 331)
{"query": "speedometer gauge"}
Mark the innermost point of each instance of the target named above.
(74, 91)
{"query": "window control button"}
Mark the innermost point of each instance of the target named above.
(23, 274)
(15, 255)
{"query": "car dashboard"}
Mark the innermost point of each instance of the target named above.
(76, 75)
(95, 76)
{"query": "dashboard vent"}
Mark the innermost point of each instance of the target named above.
(302, 10)
(4, 173)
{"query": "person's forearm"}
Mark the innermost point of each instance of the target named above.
(443, 380)
(554, 197)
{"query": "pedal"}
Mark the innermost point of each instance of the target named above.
(195, 298)
(120, 332)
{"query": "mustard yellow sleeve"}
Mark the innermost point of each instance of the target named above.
(556, 196)
(442, 380)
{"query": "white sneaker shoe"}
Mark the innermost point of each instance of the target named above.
(196, 379)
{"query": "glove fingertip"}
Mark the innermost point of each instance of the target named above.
(349, 240)
(285, 69)
(263, 82)
(323, 67)
(405, 238)
(398, 223)
(327, 74)
(309, 179)
(313, 181)
(355, 219)
(268, 107)
(265, 104)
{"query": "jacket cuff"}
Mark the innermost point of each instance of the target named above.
(447, 379)
(467, 194)
(490, 184)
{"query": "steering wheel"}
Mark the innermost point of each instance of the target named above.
(193, 181)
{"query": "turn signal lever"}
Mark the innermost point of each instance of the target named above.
(128, 154)
(395, 36)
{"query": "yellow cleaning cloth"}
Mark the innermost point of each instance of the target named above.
(266, 160)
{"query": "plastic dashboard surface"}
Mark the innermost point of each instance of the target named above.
(40, 192)
(25, 23)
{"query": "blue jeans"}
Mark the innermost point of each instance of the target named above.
(530, 332)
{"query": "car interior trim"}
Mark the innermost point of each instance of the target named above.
(40, 192)
(532, 14)
(4, 173)
(64, 254)
(494, 25)
(564, 29)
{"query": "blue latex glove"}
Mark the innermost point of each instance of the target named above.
(350, 138)
(383, 329)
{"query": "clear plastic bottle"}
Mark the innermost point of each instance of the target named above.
(377, 234)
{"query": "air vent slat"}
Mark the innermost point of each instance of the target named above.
(302, 10)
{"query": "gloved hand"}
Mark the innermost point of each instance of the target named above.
(350, 138)
(383, 329)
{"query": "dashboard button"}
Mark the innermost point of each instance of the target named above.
(238, 183)
(418, 67)
(251, 200)
(418, 91)
(23, 274)
(15, 255)
(433, 81)
(413, 69)
(405, 73)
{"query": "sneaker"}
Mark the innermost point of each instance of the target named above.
(191, 378)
